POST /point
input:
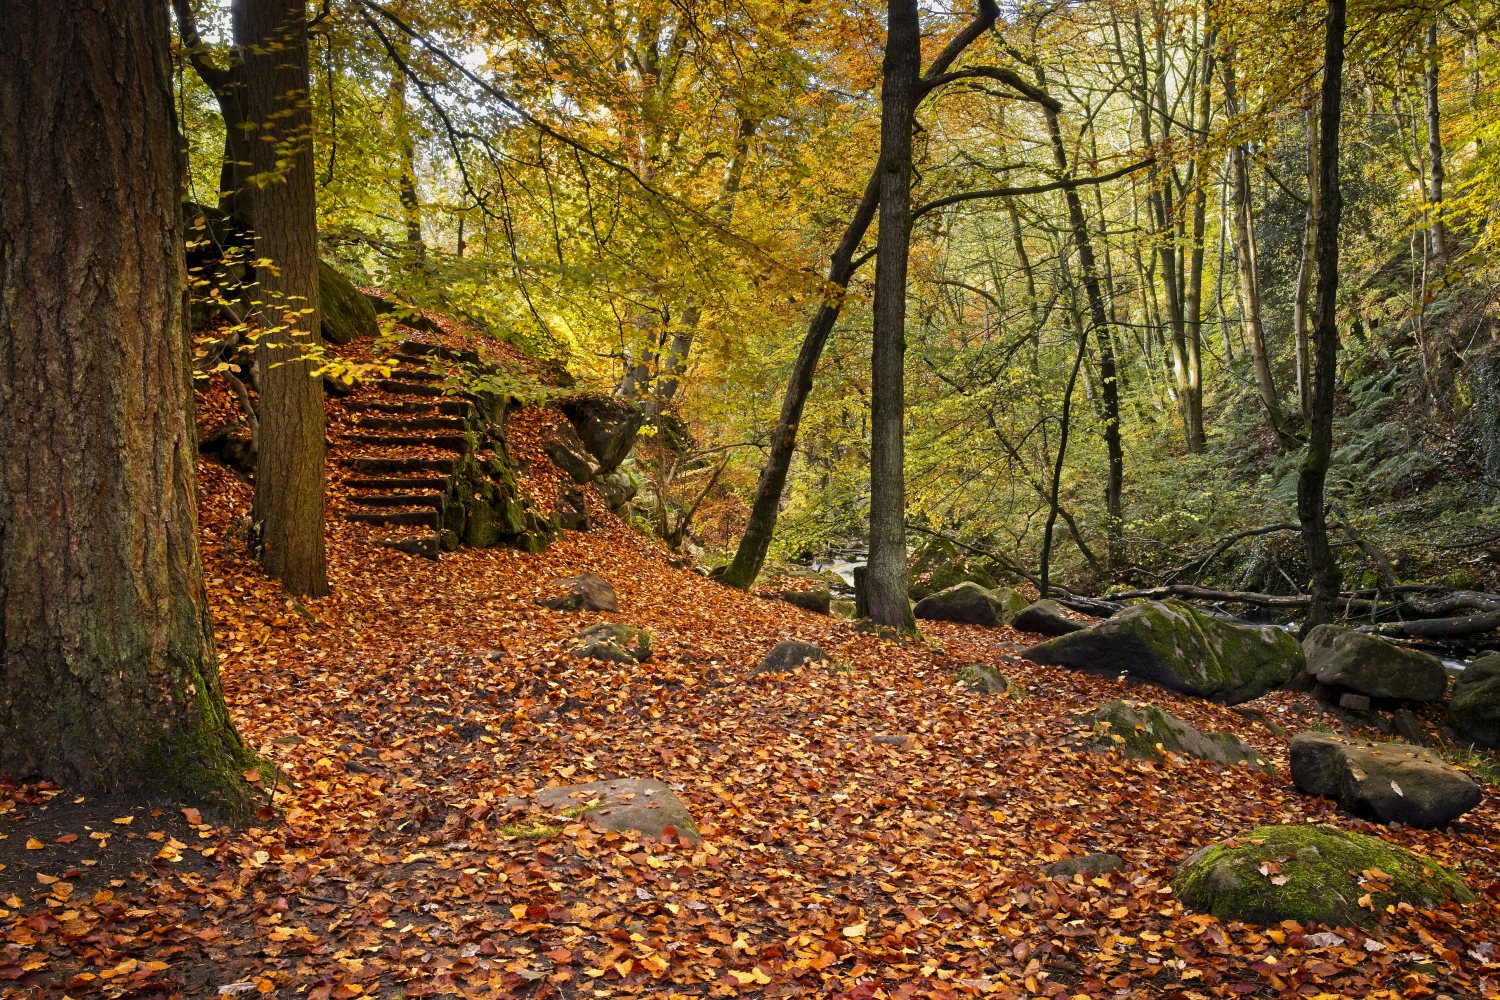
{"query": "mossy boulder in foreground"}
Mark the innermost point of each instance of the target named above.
(1311, 874)
(1182, 649)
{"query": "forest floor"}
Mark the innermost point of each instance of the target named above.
(406, 710)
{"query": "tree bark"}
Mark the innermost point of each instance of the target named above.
(886, 576)
(1197, 439)
(108, 678)
(1305, 267)
(280, 207)
(1313, 474)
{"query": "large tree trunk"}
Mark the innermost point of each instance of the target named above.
(886, 576)
(1313, 474)
(108, 678)
(280, 208)
(1245, 262)
(1439, 231)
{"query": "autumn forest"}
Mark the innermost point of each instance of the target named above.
(713, 498)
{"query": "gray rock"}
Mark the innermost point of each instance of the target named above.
(1180, 648)
(1354, 702)
(984, 679)
(1352, 661)
(612, 642)
(890, 740)
(818, 600)
(589, 592)
(1310, 874)
(572, 510)
(568, 452)
(970, 604)
(1475, 708)
(344, 312)
(1389, 782)
(617, 488)
(1046, 618)
(1147, 731)
(788, 655)
(1087, 865)
(624, 805)
(607, 426)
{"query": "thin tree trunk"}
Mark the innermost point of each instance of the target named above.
(406, 180)
(1250, 314)
(1109, 389)
(1439, 231)
(1305, 267)
(1313, 474)
(886, 575)
(108, 678)
(1054, 499)
(1193, 295)
(288, 508)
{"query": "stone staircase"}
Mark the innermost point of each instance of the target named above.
(426, 460)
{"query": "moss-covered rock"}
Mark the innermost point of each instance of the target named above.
(1046, 618)
(1180, 648)
(788, 655)
(970, 604)
(1148, 731)
(984, 679)
(1475, 708)
(818, 600)
(346, 313)
(1087, 865)
(613, 642)
(1311, 874)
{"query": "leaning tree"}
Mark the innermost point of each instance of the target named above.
(108, 678)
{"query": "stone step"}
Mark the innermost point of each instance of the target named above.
(418, 374)
(417, 406)
(423, 349)
(396, 499)
(396, 483)
(405, 463)
(391, 518)
(417, 423)
(447, 442)
(400, 387)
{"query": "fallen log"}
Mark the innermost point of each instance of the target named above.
(1208, 594)
(1458, 627)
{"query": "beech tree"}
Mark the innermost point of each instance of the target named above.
(108, 677)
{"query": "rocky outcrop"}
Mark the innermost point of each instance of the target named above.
(1046, 618)
(589, 592)
(614, 643)
(345, 311)
(1345, 660)
(1179, 648)
(1311, 874)
(970, 604)
(567, 451)
(788, 655)
(1475, 708)
(607, 426)
(1388, 782)
(1148, 731)
(624, 805)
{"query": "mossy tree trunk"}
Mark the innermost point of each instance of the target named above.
(279, 204)
(108, 678)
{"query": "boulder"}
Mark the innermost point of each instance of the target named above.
(939, 564)
(984, 679)
(788, 655)
(567, 452)
(970, 604)
(573, 511)
(1311, 873)
(842, 607)
(818, 600)
(1046, 618)
(589, 592)
(612, 642)
(1388, 782)
(617, 488)
(346, 313)
(607, 426)
(1087, 865)
(624, 805)
(1147, 731)
(1475, 708)
(1179, 648)
(1345, 660)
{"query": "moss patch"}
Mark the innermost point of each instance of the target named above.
(1311, 874)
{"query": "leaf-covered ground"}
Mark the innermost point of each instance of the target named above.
(407, 711)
